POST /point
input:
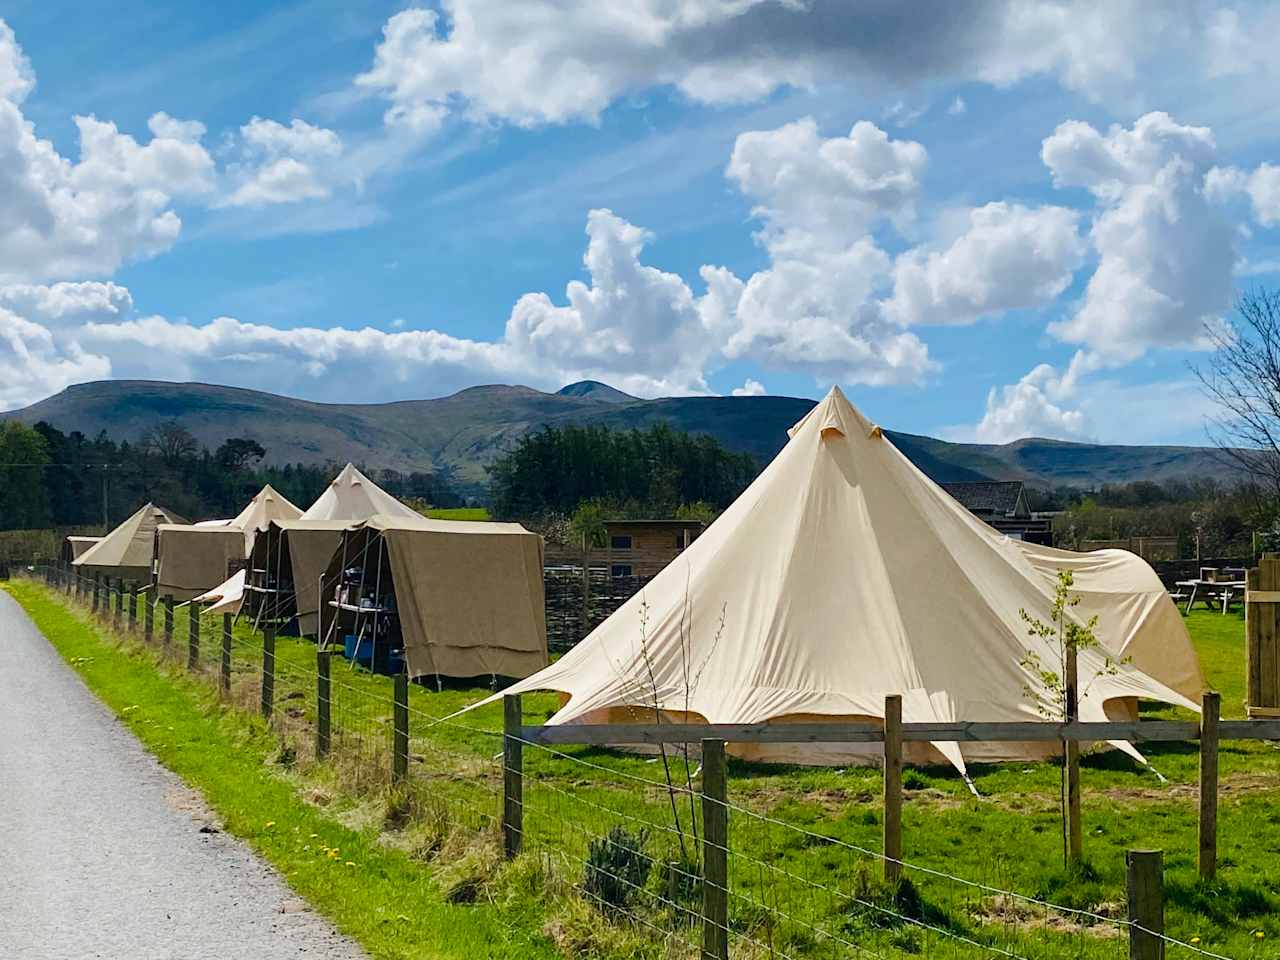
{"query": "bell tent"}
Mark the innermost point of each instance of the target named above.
(74, 547)
(840, 576)
(191, 559)
(286, 563)
(128, 550)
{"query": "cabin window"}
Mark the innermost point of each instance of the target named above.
(680, 540)
(620, 570)
(621, 541)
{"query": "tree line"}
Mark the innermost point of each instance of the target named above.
(657, 472)
(52, 479)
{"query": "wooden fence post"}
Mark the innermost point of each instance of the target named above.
(193, 636)
(133, 608)
(512, 776)
(225, 673)
(168, 619)
(1144, 884)
(892, 788)
(400, 729)
(118, 607)
(1210, 710)
(97, 582)
(323, 702)
(268, 670)
(1262, 637)
(715, 853)
(1071, 758)
(148, 618)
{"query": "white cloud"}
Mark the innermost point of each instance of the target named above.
(62, 219)
(1165, 251)
(1011, 257)
(958, 107)
(750, 388)
(1029, 408)
(812, 309)
(282, 164)
(16, 76)
(1262, 187)
(33, 364)
(550, 61)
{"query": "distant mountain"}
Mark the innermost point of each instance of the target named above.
(461, 434)
(595, 390)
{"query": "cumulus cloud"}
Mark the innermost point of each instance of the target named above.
(60, 218)
(1261, 187)
(750, 388)
(820, 199)
(1029, 408)
(1165, 251)
(1166, 256)
(1011, 257)
(284, 164)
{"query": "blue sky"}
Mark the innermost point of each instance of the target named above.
(1016, 220)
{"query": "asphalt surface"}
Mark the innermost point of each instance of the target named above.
(102, 853)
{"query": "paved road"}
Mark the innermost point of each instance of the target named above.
(101, 849)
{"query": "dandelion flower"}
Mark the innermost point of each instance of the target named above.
(268, 825)
(351, 863)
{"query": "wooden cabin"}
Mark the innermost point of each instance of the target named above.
(1003, 505)
(641, 548)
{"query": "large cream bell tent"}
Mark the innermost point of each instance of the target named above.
(128, 550)
(193, 558)
(293, 554)
(842, 575)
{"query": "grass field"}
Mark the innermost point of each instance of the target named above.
(459, 513)
(427, 880)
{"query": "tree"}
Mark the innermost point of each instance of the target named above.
(171, 442)
(236, 453)
(24, 456)
(1243, 378)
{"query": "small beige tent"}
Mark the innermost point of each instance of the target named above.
(193, 559)
(461, 599)
(127, 551)
(286, 563)
(840, 576)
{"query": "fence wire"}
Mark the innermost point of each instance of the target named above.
(632, 848)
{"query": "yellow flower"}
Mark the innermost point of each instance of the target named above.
(1195, 941)
(351, 863)
(268, 825)
(1259, 935)
(314, 836)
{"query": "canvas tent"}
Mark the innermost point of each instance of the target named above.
(192, 559)
(127, 551)
(462, 599)
(294, 553)
(226, 597)
(840, 576)
(74, 547)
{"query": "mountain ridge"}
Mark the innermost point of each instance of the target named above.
(460, 434)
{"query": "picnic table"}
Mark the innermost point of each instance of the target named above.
(1211, 593)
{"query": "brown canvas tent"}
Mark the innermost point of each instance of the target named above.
(191, 559)
(463, 599)
(286, 563)
(74, 547)
(128, 550)
(842, 575)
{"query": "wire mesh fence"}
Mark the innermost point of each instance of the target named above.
(668, 865)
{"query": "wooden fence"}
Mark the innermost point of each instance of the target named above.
(1143, 866)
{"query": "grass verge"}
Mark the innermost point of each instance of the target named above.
(377, 895)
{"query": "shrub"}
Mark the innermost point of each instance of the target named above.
(617, 867)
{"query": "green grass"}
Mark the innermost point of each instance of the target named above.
(459, 513)
(374, 893)
(430, 842)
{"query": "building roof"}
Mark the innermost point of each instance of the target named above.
(998, 497)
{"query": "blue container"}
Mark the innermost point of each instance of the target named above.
(359, 651)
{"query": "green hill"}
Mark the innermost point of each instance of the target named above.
(461, 434)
